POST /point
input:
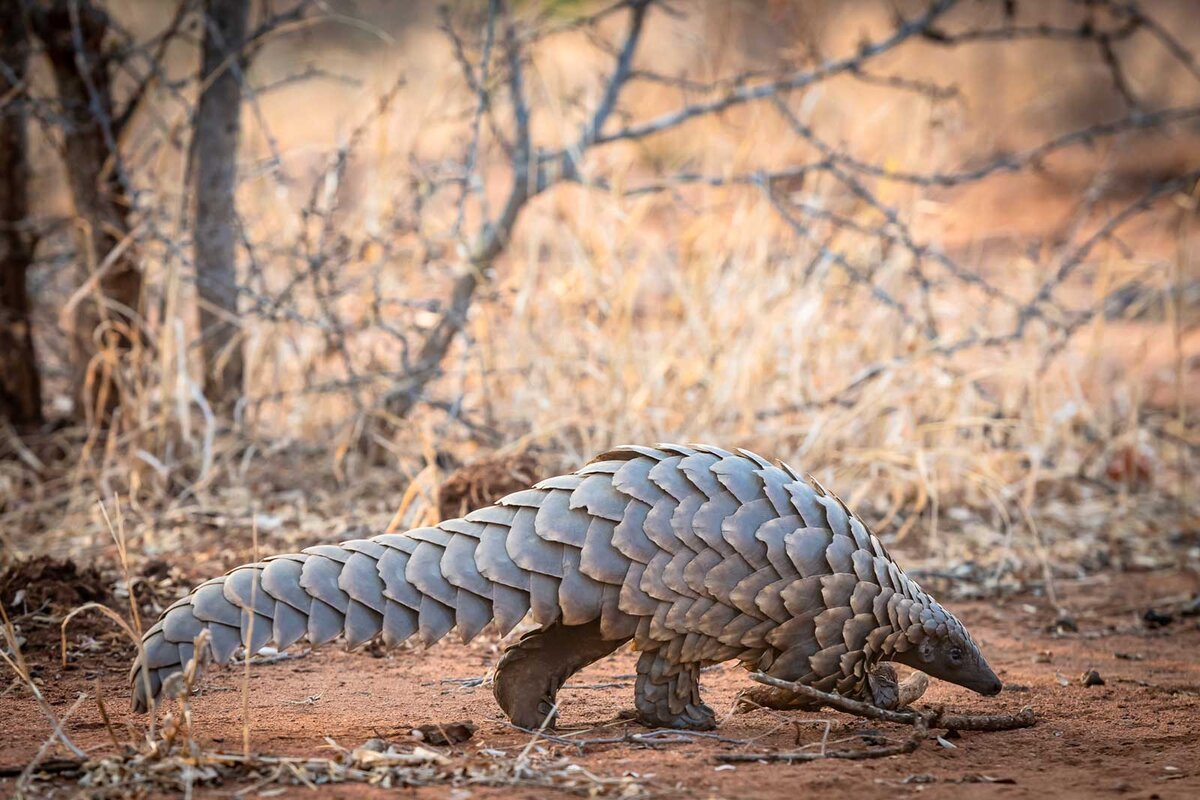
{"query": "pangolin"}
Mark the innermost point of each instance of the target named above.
(696, 554)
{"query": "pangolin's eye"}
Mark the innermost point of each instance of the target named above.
(956, 654)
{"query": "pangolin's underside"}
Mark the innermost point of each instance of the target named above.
(696, 554)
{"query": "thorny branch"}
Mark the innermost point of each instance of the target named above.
(564, 164)
(528, 180)
(790, 83)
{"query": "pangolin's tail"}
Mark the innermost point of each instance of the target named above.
(393, 585)
(499, 563)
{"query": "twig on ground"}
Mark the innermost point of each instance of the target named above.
(920, 731)
(650, 738)
(921, 721)
(936, 718)
(262, 658)
(311, 700)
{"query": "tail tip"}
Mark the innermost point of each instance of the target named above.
(145, 687)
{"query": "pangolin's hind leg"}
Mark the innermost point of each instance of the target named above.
(532, 671)
(667, 694)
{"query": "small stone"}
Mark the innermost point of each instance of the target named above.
(1091, 678)
(920, 778)
(1157, 619)
(1043, 657)
(873, 738)
(444, 733)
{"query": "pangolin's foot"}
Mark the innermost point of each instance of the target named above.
(693, 718)
(532, 671)
(887, 691)
(667, 695)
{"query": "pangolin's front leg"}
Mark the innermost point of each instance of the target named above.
(887, 691)
(532, 671)
(667, 694)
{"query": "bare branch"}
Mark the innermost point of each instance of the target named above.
(154, 61)
(790, 83)
(921, 721)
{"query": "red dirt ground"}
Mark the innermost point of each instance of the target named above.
(1136, 736)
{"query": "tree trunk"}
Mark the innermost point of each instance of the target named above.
(218, 122)
(105, 322)
(20, 384)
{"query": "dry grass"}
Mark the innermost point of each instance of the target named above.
(695, 314)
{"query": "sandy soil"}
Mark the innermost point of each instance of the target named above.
(1136, 736)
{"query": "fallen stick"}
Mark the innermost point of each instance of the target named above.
(921, 721)
(935, 718)
(920, 731)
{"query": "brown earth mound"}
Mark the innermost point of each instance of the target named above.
(50, 585)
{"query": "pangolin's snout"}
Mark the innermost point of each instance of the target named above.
(986, 683)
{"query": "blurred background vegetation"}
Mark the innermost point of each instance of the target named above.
(288, 264)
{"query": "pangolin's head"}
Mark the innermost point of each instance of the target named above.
(949, 653)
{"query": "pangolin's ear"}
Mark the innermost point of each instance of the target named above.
(926, 649)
